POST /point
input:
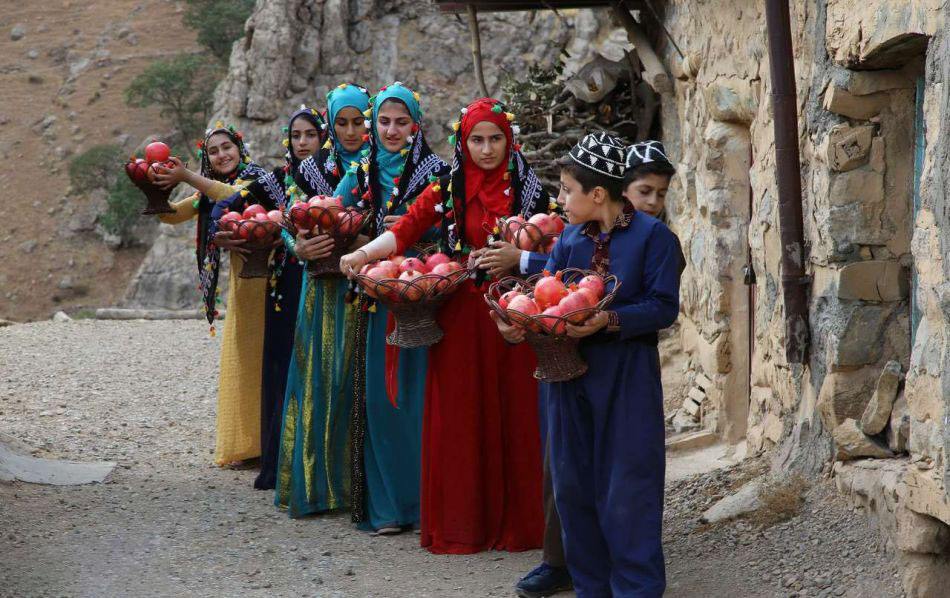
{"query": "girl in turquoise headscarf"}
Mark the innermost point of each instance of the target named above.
(394, 169)
(313, 464)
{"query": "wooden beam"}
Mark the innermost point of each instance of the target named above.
(654, 73)
(477, 49)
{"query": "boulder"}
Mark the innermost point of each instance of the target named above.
(852, 443)
(878, 411)
(61, 316)
(744, 500)
(18, 31)
(898, 429)
(920, 533)
(844, 103)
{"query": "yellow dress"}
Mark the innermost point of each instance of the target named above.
(238, 433)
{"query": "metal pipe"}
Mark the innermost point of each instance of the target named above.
(788, 177)
(476, 49)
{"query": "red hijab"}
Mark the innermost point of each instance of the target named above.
(488, 185)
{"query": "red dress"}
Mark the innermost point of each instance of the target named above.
(481, 448)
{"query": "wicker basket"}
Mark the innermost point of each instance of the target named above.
(558, 357)
(260, 237)
(156, 198)
(525, 235)
(346, 226)
(414, 305)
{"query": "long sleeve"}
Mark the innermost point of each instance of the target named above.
(184, 210)
(229, 204)
(219, 191)
(534, 262)
(658, 306)
(420, 218)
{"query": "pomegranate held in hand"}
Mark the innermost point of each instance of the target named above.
(156, 151)
(300, 216)
(572, 303)
(544, 222)
(550, 322)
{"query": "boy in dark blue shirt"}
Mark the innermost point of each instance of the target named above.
(605, 428)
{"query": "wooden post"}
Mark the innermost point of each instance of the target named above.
(654, 73)
(476, 48)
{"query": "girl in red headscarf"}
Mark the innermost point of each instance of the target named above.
(481, 451)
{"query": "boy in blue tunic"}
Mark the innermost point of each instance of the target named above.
(605, 428)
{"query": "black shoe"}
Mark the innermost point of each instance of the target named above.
(544, 580)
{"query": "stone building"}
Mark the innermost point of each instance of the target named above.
(871, 395)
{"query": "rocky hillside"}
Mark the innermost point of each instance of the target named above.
(64, 66)
(295, 50)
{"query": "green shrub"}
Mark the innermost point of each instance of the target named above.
(183, 90)
(97, 167)
(123, 210)
(218, 23)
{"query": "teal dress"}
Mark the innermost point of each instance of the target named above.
(313, 471)
(392, 442)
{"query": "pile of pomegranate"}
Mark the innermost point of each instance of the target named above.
(538, 233)
(255, 224)
(403, 279)
(551, 304)
(328, 215)
(142, 173)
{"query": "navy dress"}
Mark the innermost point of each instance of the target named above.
(605, 429)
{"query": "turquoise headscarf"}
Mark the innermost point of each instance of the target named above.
(389, 163)
(345, 96)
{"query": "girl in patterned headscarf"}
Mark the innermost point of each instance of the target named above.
(312, 470)
(305, 133)
(481, 461)
(225, 168)
(387, 448)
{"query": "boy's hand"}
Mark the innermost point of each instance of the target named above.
(501, 259)
(512, 333)
(594, 324)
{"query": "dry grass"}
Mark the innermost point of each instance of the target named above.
(780, 500)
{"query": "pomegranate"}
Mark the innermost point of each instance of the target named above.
(595, 283)
(549, 320)
(245, 229)
(413, 292)
(588, 295)
(398, 259)
(549, 290)
(156, 151)
(445, 270)
(376, 273)
(250, 211)
(520, 307)
(437, 258)
(557, 223)
(261, 217)
(275, 216)
(505, 299)
(324, 210)
(544, 222)
(572, 306)
(137, 170)
(230, 221)
(391, 269)
(527, 238)
(300, 216)
(349, 221)
(511, 227)
(413, 263)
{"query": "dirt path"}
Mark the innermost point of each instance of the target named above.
(170, 524)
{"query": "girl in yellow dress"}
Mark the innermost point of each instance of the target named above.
(225, 168)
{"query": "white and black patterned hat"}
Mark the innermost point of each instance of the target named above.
(601, 153)
(646, 152)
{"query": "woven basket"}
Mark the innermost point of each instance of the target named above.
(414, 305)
(156, 198)
(260, 237)
(344, 231)
(525, 235)
(558, 356)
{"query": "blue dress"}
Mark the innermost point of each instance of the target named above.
(605, 429)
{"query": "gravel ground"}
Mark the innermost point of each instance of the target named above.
(168, 523)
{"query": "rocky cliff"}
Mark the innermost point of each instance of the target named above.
(295, 50)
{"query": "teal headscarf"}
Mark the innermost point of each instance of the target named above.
(390, 163)
(346, 95)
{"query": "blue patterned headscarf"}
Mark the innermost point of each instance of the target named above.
(345, 96)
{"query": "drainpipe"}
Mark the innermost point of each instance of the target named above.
(788, 176)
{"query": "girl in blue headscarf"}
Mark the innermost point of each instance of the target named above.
(312, 471)
(394, 169)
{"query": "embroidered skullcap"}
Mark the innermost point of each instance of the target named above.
(646, 152)
(601, 153)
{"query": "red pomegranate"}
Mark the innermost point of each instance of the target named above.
(505, 299)
(275, 216)
(230, 221)
(324, 210)
(550, 322)
(522, 306)
(549, 290)
(511, 227)
(527, 238)
(349, 221)
(413, 263)
(593, 282)
(545, 222)
(414, 292)
(437, 258)
(156, 151)
(253, 210)
(391, 269)
(571, 306)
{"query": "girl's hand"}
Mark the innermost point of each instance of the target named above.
(167, 176)
(500, 259)
(512, 333)
(313, 248)
(352, 263)
(225, 240)
(592, 325)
